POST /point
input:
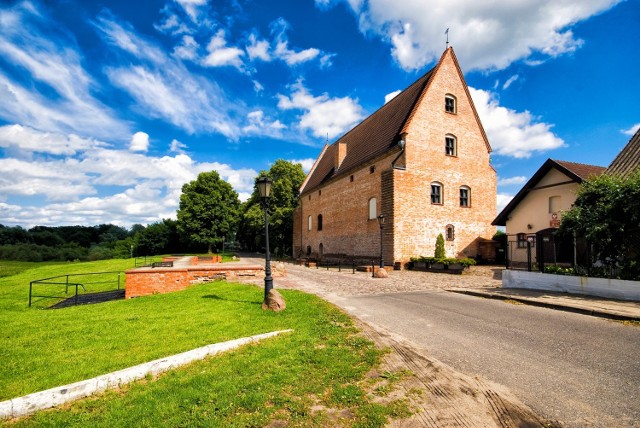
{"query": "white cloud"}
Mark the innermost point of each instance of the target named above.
(510, 80)
(391, 96)
(322, 115)
(192, 7)
(502, 200)
(486, 35)
(187, 49)
(259, 49)
(162, 87)
(23, 139)
(49, 58)
(139, 142)
(306, 163)
(177, 147)
(222, 55)
(631, 131)
(511, 133)
(257, 124)
(511, 180)
(80, 188)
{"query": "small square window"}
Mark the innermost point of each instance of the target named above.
(372, 169)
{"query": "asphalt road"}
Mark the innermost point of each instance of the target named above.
(576, 369)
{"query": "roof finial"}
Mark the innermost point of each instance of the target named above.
(447, 33)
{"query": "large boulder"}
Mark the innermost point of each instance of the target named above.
(380, 273)
(274, 302)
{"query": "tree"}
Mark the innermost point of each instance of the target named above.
(440, 253)
(607, 214)
(209, 210)
(287, 178)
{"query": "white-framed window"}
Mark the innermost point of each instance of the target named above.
(450, 104)
(465, 196)
(436, 193)
(310, 223)
(373, 209)
(450, 145)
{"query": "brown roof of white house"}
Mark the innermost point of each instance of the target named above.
(577, 172)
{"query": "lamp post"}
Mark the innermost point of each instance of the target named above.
(381, 223)
(264, 187)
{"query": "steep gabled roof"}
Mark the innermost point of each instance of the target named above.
(373, 136)
(577, 172)
(628, 160)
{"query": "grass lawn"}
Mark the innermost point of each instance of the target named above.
(321, 365)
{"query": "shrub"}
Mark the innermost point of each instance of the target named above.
(465, 262)
(439, 253)
(559, 270)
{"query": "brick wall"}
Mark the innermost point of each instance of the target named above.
(144, 281)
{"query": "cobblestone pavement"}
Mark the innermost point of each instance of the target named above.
(346, 283)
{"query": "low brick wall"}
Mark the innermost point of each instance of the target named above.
(146, 281)
(206, 260)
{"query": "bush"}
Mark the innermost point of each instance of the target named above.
(465, 262)
(559, 270)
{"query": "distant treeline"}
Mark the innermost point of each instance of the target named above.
(105, 241)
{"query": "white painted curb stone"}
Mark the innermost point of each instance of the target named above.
(22, 406)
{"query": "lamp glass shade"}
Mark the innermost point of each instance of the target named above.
(264, 186)
(381, 220)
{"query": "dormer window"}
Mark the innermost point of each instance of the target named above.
(450, 104)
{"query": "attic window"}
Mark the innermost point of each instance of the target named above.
(450, 105)
(319, 192)
(450, 145)
(372, 169)
(351, 179)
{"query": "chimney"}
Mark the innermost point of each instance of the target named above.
(341, 153)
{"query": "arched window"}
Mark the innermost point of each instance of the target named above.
(310, 221)
(450, 104)
(451, 232)
(319, 221)
(465, 196)
(373, 209)
(450, 145)
(436, 193)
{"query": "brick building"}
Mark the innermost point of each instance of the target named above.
(421, 160)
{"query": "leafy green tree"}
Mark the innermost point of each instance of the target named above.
(287, 178)
(209, 210)
(607, 214)
(440, 253)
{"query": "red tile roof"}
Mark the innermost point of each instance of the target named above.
(582, 170)
(372, 137)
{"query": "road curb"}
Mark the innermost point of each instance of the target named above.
(560, 307)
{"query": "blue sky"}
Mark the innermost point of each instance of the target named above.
(108, 107)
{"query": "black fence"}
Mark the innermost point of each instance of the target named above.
(80, 284)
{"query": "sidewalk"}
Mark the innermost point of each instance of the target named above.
(596, 306)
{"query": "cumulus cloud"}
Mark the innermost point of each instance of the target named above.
(192, 7)
(306, 163)
(391, 96)
(24, 139)
(511, 133)
(486, 35)
(222, 55)
(512, 180)
(187, 49)
(79, 189)
(502, 200)
(258, 124)
(139, 142)
(322, 115)
(631, 131)
(177, 147)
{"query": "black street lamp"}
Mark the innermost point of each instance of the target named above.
(381, 223)
(264, 187)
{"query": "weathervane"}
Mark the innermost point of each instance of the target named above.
(447, 33)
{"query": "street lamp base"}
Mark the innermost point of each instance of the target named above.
(380, 273)
(274, 302)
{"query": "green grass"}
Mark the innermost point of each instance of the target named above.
(322, 363)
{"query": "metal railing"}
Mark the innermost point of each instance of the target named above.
(56, 280)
